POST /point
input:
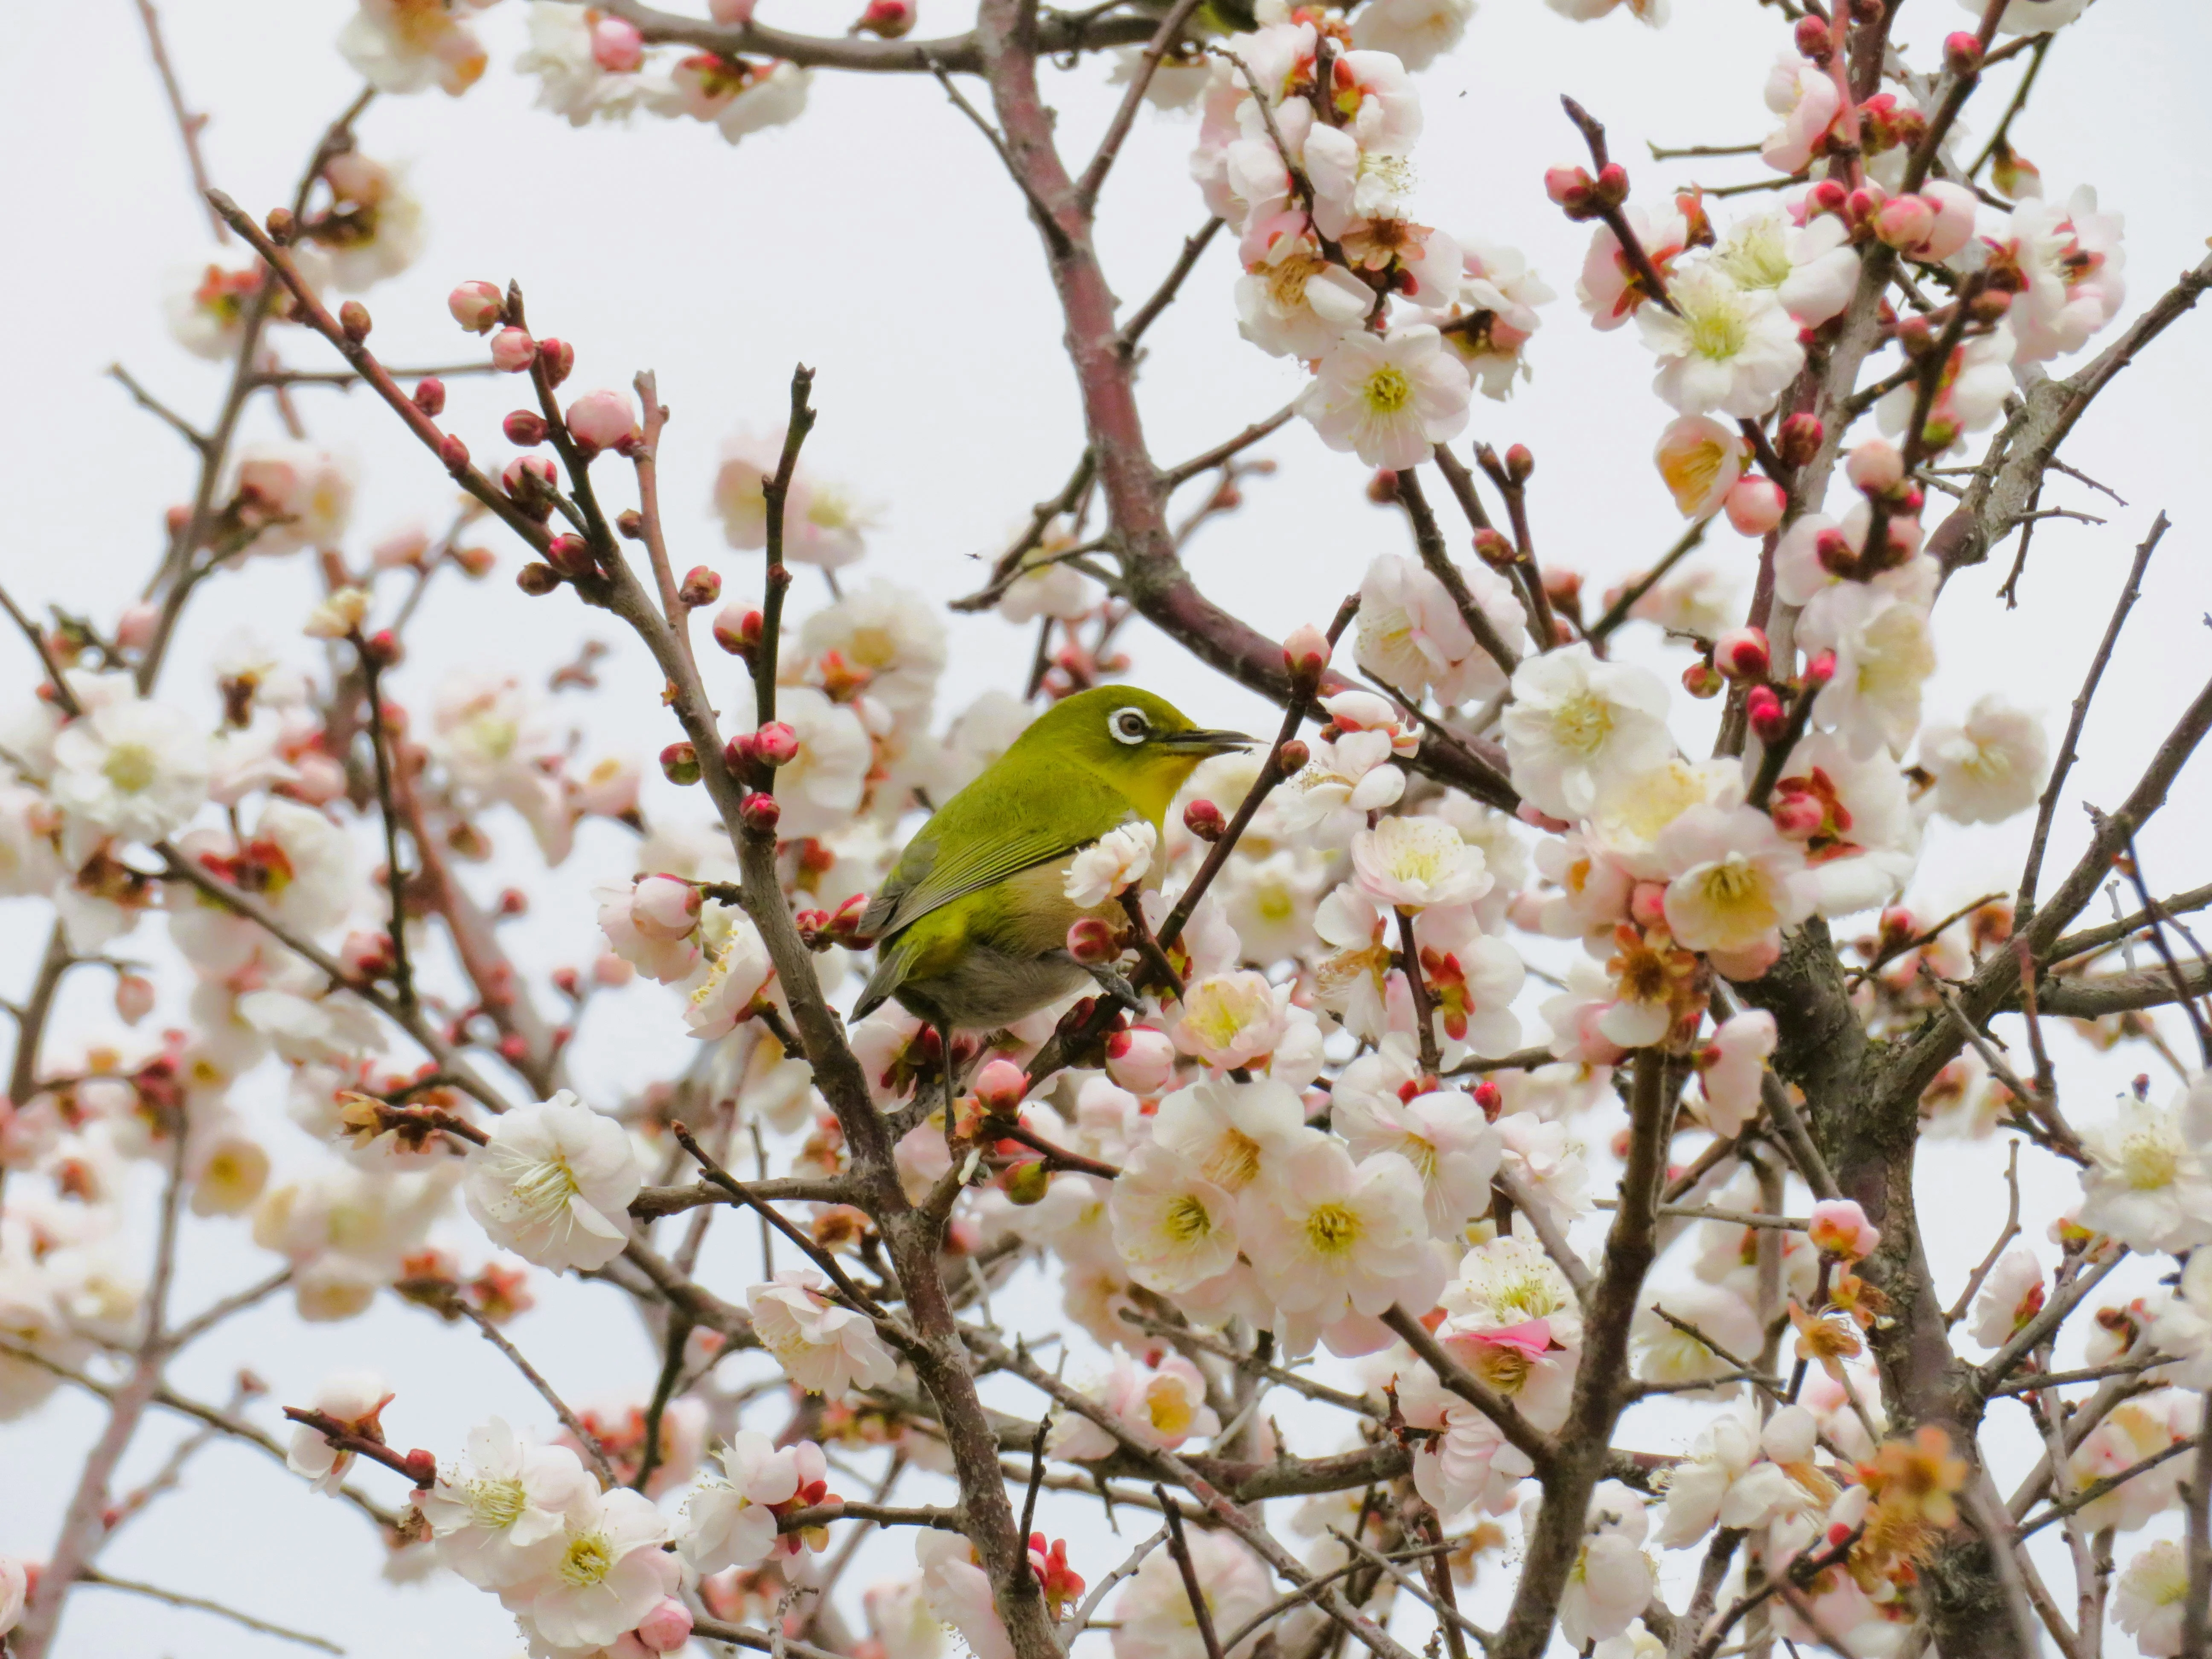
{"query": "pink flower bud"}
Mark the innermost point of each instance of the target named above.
(1647, 903)
(1798, 816)
(571, 555)
(559, 357)
(1814, 40)
(135, 628)
(1292, 756)
(1798, 439)
(1821, 669)
(476, 306)
(1140, 1060)
(1764, 710)
(1956, 208)
(1573, 188)
(528, 479)
(525, 427)
(776, 744)
(1840, 1229)
(1491, 1098)
(737, 628)
(1091, 941)
(1962, 52)
(617, 45)
(663, 908)
(679, 764)
(1834, 550)
(134, 998)
(1742, 653)
(1203, 819)
(422, 1467)
(1000, 1087)
(1876, 466)
(1755, 506)
(700, 586)
(1702, 680)
(667, 1628)
(430, 395)
(761, 811)
(1905, 221)
(1493, 549)
(890, 19)
(453, 454)
(366, 955)
(512, 350)
(1520, 459)
(1829, 196)
(1306, 651)
(603, 420)
(731, 12)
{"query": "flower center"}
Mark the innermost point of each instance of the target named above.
(495, 1505)
(1582, 722)
(1756, 256)
(1733, 883)
(1235, 1162)
(587, 1561)
(131, 767)
(2149, 1161)
(1168, 1406)
(1388, 390)
(1186, 1220)
(1715, 319)
(544, 1192)
(1333, 1229)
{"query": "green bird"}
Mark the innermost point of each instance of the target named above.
(971, 927)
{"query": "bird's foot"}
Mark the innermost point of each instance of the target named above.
(1111, 981)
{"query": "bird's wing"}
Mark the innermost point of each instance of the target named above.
(970, 845)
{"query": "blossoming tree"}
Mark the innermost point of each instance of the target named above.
(1330, 1238)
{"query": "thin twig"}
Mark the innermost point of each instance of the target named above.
(200, 1604)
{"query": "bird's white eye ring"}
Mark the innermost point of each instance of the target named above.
(1129, 726)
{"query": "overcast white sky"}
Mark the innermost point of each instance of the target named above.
(876, 240)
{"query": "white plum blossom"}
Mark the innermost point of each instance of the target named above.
(1415, 31)
(2150, 1599)
(1728, 1481)
(2145, 1184)
(1612, 1579)
(351, 1398)
(1735, 882)
(554, 1182)
(131, 768)
(1228, 1020)
(1493, 314)
(821, 788)
(2011, 1296)
(734, 974)
(1173, 1228)
(2075, 264)
(1812, 270)
(409, 45)
(498, 1518)
(1291, 301)
(1389, 399)
(608, 1572)
(1328, 1235)
(1443, 1134)
(1805, 96)
(1161, 1404)
(1701, 460)
(1735, 1067)
(1725, 349)
(1411, 635)
(1577, 724)
(729, 1523)
(1884, 655)
(957, 1593)
(2184, 1325)
(1412, 863)
(295, 494)
(1116, 862)
(1153, 1616)
(1988, 766)
(822, 1347)
(824, 524)
(2033, 17)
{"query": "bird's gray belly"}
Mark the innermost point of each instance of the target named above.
(992, 988)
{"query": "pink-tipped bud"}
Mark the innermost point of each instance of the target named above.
(559, 358)
(430, 395)
(890, 19)
(1306, 652)
(1821, 669)
(1492, 1098)
(1797, 816)
(571, 555)
(1140, 1060)
(512, 350)
(1815, 40)
(422, 1467)
(1798, 439)
(679, 764)
(1755, 506)
(525, 427)
(1962, 53)
(134, 996)
(775, 744)
(528, 481)
(1836, 554)
(1647, 903)
(382, 649)
(1292, 756)
(666, 1628)
(136, 628)
(761, 811)
(1091, 941)
(604, 419)
(663, 907)
(1493, 549)
(1520, 459)
(1905, 221)
(1702, 680)
(1876, 466)
(1829, 196)
(737, 628)
(453, 454)
(476, 306)
(1383, 486)
(1000, 1087)
(1203, 819)
(1742, 653)
(354, 319)
(1573, 189)
(1612, 185)
(700, 586)
(1764, 710)
(617, 45)
(845, 922)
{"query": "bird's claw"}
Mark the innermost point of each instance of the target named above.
(1111, 981)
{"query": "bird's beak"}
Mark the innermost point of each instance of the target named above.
(1207, 743)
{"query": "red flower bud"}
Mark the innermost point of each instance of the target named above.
(1764, 710)
(1829, 196)
(1815, 40)
(679, 764)
(1292, 756)
(1493, 549)
(525, 427)
(422, 1467)
(571, 555)
(1306, 652)
(760, 813)
(1702, 680)
(281, 225)
(1383, 487)
(775, 743)
(1203, 819)
(559, 358)
(700, 586)
(1612, 185)
(1491, 1098)
(1799, 438)
(1091, 941)
(1962, 53)
(737, 629)
(430, 395)
(1742, 653)
(1520, 462)
(1821, 669)
(512, 350)
(453, 454)
(1573, 189)
(383, 648)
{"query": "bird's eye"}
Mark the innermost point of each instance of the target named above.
(1129, 726)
